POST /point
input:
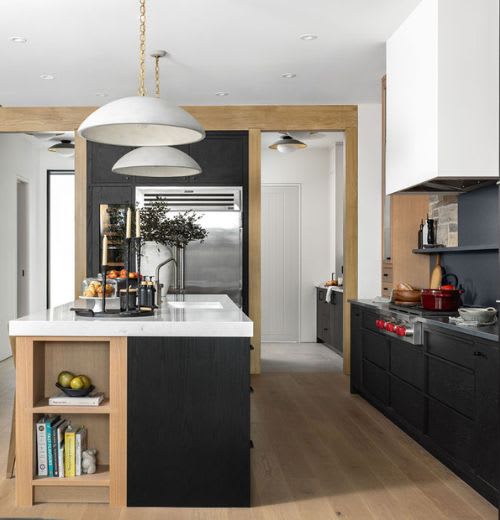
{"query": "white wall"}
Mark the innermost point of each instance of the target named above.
(369, 200)
(309, 168)
(22, 156)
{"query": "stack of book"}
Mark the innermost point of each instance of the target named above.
(59, 447)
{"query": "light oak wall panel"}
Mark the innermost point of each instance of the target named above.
(406, 213)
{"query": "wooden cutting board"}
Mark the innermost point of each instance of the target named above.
(437, 274)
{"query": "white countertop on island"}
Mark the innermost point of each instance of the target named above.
(193, 315)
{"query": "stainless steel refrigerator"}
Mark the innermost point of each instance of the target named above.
(214, 266)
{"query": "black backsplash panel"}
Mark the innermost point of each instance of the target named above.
(478, 217)
(478, 224)
(477, 273)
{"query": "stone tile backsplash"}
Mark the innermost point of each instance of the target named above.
(444, 210)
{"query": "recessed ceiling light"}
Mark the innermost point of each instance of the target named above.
(288, 75)
(18, 39)
(222, 94)
(47, 76)
(101, 94)
(308, 37)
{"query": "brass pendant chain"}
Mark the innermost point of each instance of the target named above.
(142, 48)
(157, 75)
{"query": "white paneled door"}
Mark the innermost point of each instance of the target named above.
(280, 262)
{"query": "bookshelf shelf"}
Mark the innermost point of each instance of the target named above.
(43, 406)
(99, 479)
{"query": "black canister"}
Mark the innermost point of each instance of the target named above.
(132, 299)
(143, 294)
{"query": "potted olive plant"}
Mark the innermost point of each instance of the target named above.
(164, 235)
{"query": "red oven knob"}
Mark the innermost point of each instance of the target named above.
(379, 324)
(400, 330)
(389, 326)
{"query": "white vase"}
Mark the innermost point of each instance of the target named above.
(154, 254)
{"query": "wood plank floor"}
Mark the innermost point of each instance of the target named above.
(320, 453)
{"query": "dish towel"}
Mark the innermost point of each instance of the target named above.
(329, 294)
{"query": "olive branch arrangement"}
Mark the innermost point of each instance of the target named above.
(178, 231)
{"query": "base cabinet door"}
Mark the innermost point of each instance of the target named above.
(487, 432)
(408, 403)
(356, 349)
(376, 382)
(451, 431)
(323, 331)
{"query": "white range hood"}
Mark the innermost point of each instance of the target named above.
(442, 97)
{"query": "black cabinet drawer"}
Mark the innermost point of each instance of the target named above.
(369, 319)
(407, 363)
(451, 431)
(449, 347)
(452, 385)
(408, 403)
(376, 382)
(376, 348)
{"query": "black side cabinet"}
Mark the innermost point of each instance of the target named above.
(443, 393)
(188, 422)
(329, 319)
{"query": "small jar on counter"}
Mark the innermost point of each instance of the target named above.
(132, 299)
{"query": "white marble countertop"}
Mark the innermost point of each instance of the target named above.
(195, 315)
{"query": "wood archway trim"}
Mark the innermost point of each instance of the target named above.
(255, 119)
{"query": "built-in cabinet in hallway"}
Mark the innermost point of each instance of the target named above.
(329, 319)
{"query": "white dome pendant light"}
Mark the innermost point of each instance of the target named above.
(141, 120)
(157, 161)
(287, 144)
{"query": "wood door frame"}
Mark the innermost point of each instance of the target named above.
(255, 119)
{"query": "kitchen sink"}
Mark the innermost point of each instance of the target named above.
(196, 305)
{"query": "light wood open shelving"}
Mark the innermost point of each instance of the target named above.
(43, 407)
(39, 360)
(99, 478)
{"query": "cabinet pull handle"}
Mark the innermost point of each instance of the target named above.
(477, 353)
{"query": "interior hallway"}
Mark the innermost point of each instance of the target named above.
(319, 454)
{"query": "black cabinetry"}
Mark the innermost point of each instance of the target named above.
(329, 319)
(188, 422)
(222, 155)
(443, 393)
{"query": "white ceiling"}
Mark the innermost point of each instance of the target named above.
(237, 46)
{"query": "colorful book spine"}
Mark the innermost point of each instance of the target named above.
(69, 452)
(50, 459)
(81, 446)
(54, 449)
(41, 447)
(60, 447)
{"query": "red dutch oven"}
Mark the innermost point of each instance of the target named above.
(441, 299)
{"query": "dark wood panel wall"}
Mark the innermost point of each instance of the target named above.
(223, 157)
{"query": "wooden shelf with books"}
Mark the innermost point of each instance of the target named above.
(43, 407)
(39, 360)
(99, 478)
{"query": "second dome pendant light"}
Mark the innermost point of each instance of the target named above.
(141, 120)
(157, 161)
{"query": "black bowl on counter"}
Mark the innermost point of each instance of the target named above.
(70, 392)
